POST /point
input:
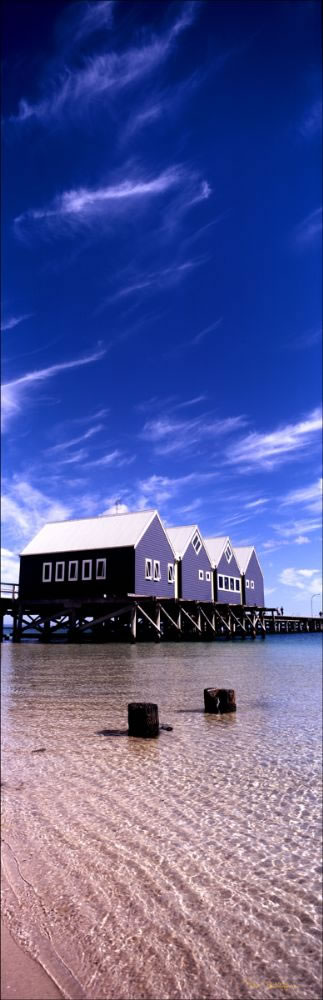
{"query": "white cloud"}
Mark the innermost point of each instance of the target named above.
(312, 120)
(307, 580)
(164, 278)
(12, 321)
(110, 72)
(89, 205)
(170, 436)
(78, 440)
(301, 540)
(115, 457)
(310, 496)
(25, 509)
(308, 231)
(14, 393)
(9, 566)
(257, 503)
(270, 450)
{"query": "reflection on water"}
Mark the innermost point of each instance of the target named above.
(183, 867)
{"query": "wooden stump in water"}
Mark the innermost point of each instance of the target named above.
(219, 700)
(143, 719)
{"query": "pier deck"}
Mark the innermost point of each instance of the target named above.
(133, 618)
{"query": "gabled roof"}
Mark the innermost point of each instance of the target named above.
(243, 555)
(110, 531)
(181, 537)
(215, 548)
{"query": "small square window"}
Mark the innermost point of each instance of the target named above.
(47, 572)
(252, 584)
(201, 574)
(237, 584)
(231, 583)
(148, 569)
(170, 572)
(228, 553)
(197, 544)
(73, 570)
(87, 569)
(247, 584)
(157, 574)
(59, 572)
(221, 582)
(208, 575)
(226, 583)
(101, 569)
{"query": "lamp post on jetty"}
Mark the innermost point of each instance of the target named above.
(312, 599)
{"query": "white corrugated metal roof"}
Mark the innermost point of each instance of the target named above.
(110, 531)
(181, 537)
(215, 548)
(243, 555)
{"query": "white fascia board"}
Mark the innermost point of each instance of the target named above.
(214, 564)
(142, 533)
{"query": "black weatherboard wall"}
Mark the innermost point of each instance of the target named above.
(120, 575)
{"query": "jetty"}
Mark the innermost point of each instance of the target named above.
(135, 618)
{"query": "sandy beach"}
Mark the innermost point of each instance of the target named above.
(21, 977)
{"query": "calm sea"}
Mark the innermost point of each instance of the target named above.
(183, 867)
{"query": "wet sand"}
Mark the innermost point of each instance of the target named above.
(21, 977)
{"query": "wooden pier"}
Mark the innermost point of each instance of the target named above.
(138, 619)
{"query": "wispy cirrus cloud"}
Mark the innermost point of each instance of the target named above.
(167, 277)
(311, 122)
(272, 449)
(14, 393)
(64, 445)
(90, 205)
(254, 504)
(82, 19)
(25, 509)
(12, 321)
(75, 88)
(170, 436)
(309, 229)
(308, 496)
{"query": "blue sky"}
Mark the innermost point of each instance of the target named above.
(161, 272)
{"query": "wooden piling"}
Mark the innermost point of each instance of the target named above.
(219, 701)
(143, 719)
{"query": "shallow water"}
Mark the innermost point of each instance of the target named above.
(183, 867)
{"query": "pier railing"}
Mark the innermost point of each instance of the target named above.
(10, 590)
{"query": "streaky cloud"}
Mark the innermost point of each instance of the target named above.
(12, 321)
(13, 392)
(272, 449)
(309, 230)
(101, 73)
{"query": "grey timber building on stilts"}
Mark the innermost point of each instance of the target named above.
(252, 580)
(193, 570)
(226, 572)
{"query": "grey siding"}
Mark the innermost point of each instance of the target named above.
(253, 574)
(230, 569)
(154, 545)
(194, 589)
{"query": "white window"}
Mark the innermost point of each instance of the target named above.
(228, 553)
(252, 584)
(207, 575)
(101, 569)
(59, 572)
(226, 583)
(157, 574)
(87, 569)
(47, 572)
(197, 544)
(237, 584)
(247, 584)
(148, 569)
(220, 582)
(201, 574)
(73, 570)
(170, 572)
